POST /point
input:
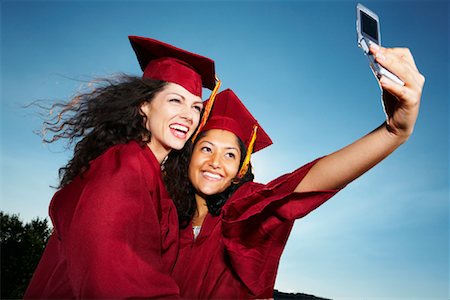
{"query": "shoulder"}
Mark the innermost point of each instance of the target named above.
(244, 196)
(118, 179)
(122, 156)
(128, 153)
(246, 190)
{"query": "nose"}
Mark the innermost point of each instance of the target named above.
(187, 114)
(214, 161)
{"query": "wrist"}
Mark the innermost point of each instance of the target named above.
(400, 136)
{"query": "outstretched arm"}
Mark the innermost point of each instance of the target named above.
(402, 107)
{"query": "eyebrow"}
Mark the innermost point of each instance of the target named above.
(196, 102)
(175, 93)
(212, 144)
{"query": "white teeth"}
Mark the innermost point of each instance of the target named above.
(212, 175)
(179, 127)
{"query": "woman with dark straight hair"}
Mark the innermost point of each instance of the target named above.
(236, 229)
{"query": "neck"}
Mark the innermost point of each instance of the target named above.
(159, 151)
(200, 212)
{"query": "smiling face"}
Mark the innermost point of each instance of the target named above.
(172, 117)
(215, 162)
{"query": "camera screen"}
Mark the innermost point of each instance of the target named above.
(369, 26)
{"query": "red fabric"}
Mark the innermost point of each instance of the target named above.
(115, 232)
(236, 255)
(229, 113)
(165, 62)
(229, 124)
(176, 71)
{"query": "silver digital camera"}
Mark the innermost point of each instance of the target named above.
(368, 31)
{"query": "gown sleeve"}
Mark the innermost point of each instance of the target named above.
(256, 223)
(113, 242)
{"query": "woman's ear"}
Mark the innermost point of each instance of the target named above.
(235, 180)
(145, 109)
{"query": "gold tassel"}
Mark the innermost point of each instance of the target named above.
(207, 109)
(246, 162)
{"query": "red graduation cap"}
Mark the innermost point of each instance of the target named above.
(165, 62)
(229, 113)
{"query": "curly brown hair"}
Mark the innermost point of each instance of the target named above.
(107, 115)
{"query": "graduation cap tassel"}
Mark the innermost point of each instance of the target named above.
(246, 162)
(207, 108)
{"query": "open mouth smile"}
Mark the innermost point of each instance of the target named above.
(179, 130)
(211, 176)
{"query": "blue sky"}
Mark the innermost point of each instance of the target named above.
(295, 64)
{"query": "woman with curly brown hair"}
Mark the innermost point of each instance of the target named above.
(115, 227)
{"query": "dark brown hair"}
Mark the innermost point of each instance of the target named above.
(182, 191)
(107, 115)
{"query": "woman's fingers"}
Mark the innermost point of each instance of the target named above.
(401, 101)
(400, 62)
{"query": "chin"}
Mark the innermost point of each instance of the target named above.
(210, 192)
(178, 145)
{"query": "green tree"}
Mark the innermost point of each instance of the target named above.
(21, 248)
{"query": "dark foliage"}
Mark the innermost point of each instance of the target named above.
(277, 295)
(21, 248)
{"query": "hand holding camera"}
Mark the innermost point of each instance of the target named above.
(368, 33)
(397, 74)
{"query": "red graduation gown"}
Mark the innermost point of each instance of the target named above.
(236, 254)
(115, 232)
